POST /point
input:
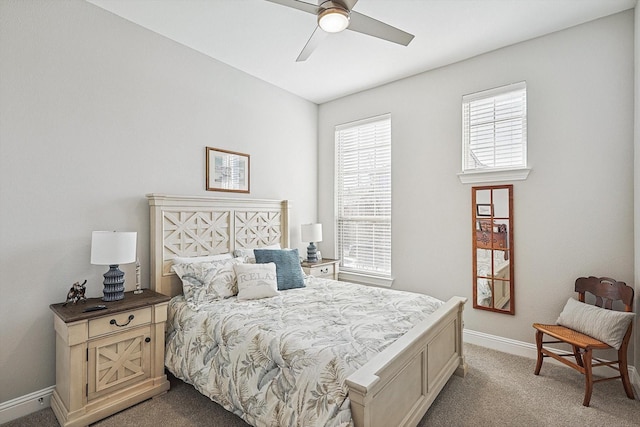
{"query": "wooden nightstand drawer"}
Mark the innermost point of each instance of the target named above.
(119, 322)
(325, 268)
(326, 271)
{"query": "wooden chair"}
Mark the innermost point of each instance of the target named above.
(606, 291)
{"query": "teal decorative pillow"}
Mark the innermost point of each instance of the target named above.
(287, 263)
(605, 325)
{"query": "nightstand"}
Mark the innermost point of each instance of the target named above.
(326, 268)
(108, 360)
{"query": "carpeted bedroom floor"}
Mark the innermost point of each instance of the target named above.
(499, 390)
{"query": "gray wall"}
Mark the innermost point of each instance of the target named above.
(573, 215)
(96, 112)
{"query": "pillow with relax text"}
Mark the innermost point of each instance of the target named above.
(256, 281)
(287, 263)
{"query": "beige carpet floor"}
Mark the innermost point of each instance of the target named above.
(499, 390)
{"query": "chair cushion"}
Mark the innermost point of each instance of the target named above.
(605, 325)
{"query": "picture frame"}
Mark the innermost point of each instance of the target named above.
(485, 210)
(227, 170)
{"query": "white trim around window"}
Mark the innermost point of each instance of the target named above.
(494, 135)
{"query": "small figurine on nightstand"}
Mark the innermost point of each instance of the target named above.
(138, 290)
(76, 293)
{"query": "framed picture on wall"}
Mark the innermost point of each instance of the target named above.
(484, 209)
(227, 170)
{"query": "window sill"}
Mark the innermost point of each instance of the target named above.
(365, 279)
(494, 176)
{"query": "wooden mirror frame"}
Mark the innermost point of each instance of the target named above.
(493, 231)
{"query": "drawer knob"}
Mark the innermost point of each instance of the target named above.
(324, 270)
(147, 339)
(115, 322)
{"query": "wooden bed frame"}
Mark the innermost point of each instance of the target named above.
(396, 387)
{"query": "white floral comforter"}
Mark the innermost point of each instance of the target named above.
(283, 361)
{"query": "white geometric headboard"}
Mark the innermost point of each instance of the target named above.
(200, 225)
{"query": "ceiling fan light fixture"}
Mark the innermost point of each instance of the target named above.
(333, 20)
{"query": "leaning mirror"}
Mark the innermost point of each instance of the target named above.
(492, 242)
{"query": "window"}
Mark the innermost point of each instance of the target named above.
(363, 192)
(494, 129)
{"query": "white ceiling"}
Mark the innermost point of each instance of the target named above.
(263, 39)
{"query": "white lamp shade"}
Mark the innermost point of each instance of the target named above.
(113, 247)
(311, 232)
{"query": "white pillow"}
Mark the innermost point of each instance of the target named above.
(248, 252)
(207, 281)
(605, 325)
(256, 281)
(208, 258)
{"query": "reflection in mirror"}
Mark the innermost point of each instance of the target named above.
(492, 214)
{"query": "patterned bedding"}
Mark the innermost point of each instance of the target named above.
(283, 361)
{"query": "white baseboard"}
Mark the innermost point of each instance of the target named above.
(25, 405)
(520, 348)
(505, 345)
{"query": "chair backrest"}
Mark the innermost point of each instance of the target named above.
(606, 291)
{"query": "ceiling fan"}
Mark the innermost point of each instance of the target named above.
(338, 15)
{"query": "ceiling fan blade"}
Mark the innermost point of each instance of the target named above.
(363, 24)
(315, 39)
(300, 5)
(349, 3)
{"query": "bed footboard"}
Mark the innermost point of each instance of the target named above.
(397, 386)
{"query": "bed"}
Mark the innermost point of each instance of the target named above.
(389, 386)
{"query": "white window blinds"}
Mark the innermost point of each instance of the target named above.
(363, 194)
(494, 129)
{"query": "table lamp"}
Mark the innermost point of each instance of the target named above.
(113, 248)
(311, 233)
